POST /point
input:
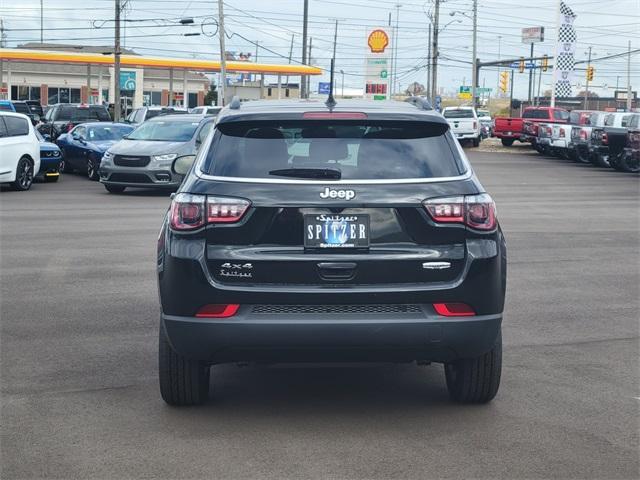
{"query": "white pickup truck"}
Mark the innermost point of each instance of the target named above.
(464, 124)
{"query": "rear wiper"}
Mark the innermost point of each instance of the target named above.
(322, 173)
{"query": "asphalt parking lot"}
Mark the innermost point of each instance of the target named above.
(79, 316)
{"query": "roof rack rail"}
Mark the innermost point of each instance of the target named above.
(419, 102)
(235, 103)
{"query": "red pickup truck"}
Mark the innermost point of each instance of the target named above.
(525, 129)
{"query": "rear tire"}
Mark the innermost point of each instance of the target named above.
(475, 142)
(629, 164)
(183, 381)
(114, 188)
(582, 155)
(507, 142)
(600, 160)
(475, 380)
(24, 175)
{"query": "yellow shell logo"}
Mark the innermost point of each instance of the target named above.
(378, 40)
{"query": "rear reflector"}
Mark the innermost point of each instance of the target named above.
(334, 115)
(453, 309)
(218, 310)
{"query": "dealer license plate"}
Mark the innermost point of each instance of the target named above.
(336, 231)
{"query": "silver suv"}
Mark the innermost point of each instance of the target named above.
(144, 157)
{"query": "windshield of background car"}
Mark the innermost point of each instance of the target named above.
(458, 113)
(164, 111)
(83, 114)
(165, 131)
(111, 132)
(371, 150)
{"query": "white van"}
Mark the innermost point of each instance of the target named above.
(19, 150)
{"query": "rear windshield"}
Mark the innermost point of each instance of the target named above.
(374, 150)
(83, 114)
(22, 108)
(535, 114)
(164, 111)
(458, 113)
(165, 131)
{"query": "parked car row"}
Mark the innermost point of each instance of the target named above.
(605, 139)
(75, 137)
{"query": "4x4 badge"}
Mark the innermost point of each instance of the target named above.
(342, 194)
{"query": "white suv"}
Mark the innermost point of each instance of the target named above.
(464, 124)
(19, 150)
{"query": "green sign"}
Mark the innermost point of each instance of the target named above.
(379, 97)
(464, 89)
(484, 90)
(127, 80)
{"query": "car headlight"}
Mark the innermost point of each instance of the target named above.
(56, 153)
(168, 157)
(107, 156)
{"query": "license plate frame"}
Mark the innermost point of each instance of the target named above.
(337, 231)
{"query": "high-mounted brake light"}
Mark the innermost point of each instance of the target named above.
(334, 115)
(453, 309)
(218, 310)
(474, 211)
(190, 212)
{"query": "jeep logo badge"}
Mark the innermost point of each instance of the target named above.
(342, 194)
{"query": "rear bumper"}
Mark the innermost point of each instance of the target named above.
(250, 336)
(507, 134)
(467, 135)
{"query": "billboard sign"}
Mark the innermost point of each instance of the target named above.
(377, 64)
(127, 80)
(533, 35)
(324, 87)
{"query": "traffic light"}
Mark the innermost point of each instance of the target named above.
(590, 71)
(521, 68)
(545, 63)
(504, 81)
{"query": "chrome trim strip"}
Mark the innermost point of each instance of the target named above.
(436, 265)
(387, 181)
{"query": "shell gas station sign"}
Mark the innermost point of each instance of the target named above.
(377, 64)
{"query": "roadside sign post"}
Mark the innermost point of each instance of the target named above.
(532, 35)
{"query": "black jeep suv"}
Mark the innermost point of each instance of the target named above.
(306, 233)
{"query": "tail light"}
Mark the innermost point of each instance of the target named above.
(605, 138)
(218, 310)
(475, 125)
(453, 309)
(474, 211)
(583, 134)
(226, 210)
(190, 212)
(562, 133)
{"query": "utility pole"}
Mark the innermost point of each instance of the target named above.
(41, 21)
(510, 92)
(290, 57)
(498, 84)
(629, 79)
(434, 72)
(474, 75)
(429, 62)
(335, 41)
(308, 77)
(394, 86)
(586, 90)
(223, 55)
(305, 20)
(116, 66)
(531, 74)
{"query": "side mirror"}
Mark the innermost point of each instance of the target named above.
(182, 165)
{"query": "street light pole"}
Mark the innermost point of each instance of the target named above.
(474, 75)
(305, 20)
(629, 79)
(498, 83)
(223, 55)
(586, 90)
(41, 21)
(116, 66)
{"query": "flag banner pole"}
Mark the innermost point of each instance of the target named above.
(564, 66)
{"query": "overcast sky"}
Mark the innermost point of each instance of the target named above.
(605, 25)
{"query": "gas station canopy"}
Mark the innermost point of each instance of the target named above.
(154, 62)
